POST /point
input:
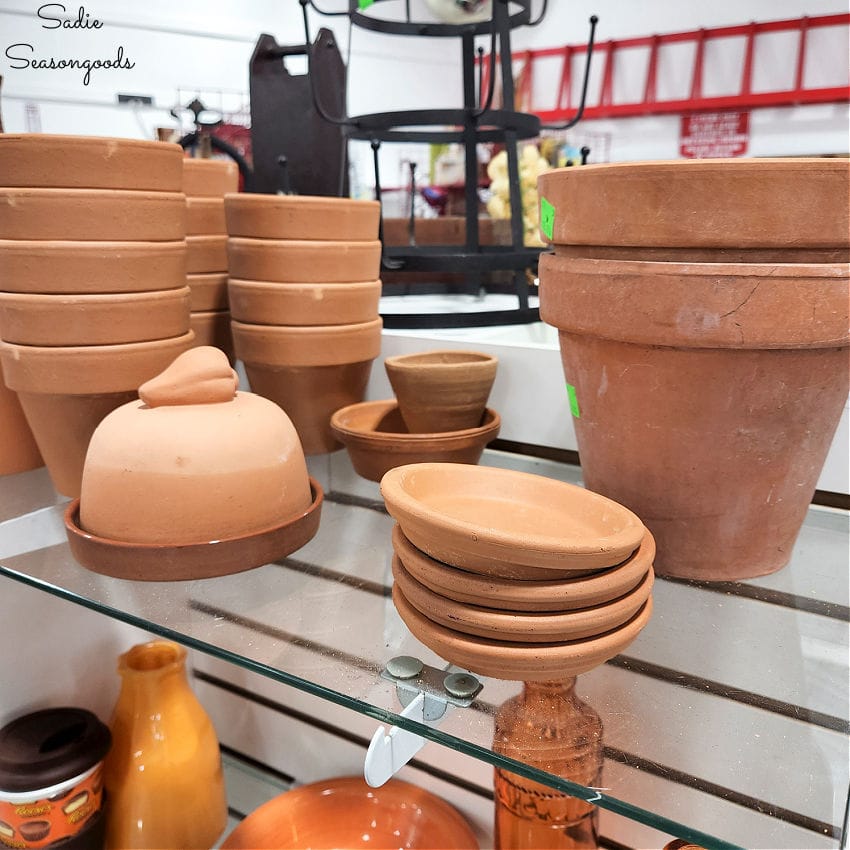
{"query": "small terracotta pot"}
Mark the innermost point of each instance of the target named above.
(294, 261)
(301, 217)
(212, 327)
(92, 214)
(206, 254)
(707, 398)
(711, 203)
(208, 291)
(209, 177)
(41, 160)
(378, 440)
(441, 390)
(264, 303)
(73, 268)
(93, 319)
(18, 449)
(66, 391)
(205, 217)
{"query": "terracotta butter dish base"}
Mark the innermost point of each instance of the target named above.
(162, 562)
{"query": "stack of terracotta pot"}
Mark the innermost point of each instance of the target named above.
(205, 183)
(703, 315)
(93, 264)
(513, 575)
(304, 293)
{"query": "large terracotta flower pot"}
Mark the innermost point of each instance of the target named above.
(301, 217)
(706, 397)
(92, 214)
(66, 391)
(310, 371)
(297, 261)
(93, 319)
(18, 449)
(209, 178)
(41, 160)
(264, 303)
(66, 267)
(206, 254)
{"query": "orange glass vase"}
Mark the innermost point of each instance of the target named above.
(163, 777)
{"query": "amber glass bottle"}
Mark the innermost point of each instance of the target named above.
(547, 726)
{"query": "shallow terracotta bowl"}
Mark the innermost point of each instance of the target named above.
(206, 254)
(205, 217)
(378, 440)
(467, 515)
(209, 178)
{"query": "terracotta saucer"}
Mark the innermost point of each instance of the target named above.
(378, 440)
(510, 594)
(346, 812)
(467, 516)
(152, 562)
(520, 662)
(523, 627)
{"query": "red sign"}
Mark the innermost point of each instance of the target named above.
(706, 135)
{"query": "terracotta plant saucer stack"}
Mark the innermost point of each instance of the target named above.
(703, 309)
(205, 183)
(513, 575)
(93, 268)
(304, 293)
(441, 413)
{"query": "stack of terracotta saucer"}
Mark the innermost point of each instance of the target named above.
(513, 575)
(92, 264)
(205, 183)
(304, 293)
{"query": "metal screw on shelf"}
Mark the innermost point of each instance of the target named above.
(461, 685)
(404, 667)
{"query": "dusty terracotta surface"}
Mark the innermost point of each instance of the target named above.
(18, 449)
(710, 417)
(89, 162)
(316, 345)
(206, 254)
(212, 327)
(205, 217)
(264, 303)
(346, 812)
(92, 214)
(93, 319)
(492, 591)
(522, 627)
(297, 261)
(441, 390)
(526, 662)
(310, 395)
(208, 291)
(301, 217)
(465, 515)
(63, 267)
(193, 460)
(735, 203)
(378, 440)
(209, 178)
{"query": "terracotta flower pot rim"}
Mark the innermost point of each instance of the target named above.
(307, 331)
(305, 245)
(106, 195)
(288, 285)
(84, 298)
(249, 199)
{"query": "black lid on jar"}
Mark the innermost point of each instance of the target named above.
(50, 746)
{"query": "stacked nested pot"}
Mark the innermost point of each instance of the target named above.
(205, 183)
(304, 292)
(93, 273)
(702, 309)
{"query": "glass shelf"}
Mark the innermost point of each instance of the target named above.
(737, 691)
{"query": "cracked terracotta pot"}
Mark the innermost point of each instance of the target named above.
(441, 390)
(260, 302)
(92, 214)
(65, 391)
(74, 268)
(205, 217)
(209, 178)
(88, 162)
(36, 319)
(206, 254)
(300, 261)
(310, 371)
(301, 217)
(212, 327)
(208, 291)
(705, 397)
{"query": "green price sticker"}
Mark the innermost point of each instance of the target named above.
(364, 4)
(571, 395)
(547, 218)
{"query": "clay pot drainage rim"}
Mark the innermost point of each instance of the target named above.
(155, 562)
